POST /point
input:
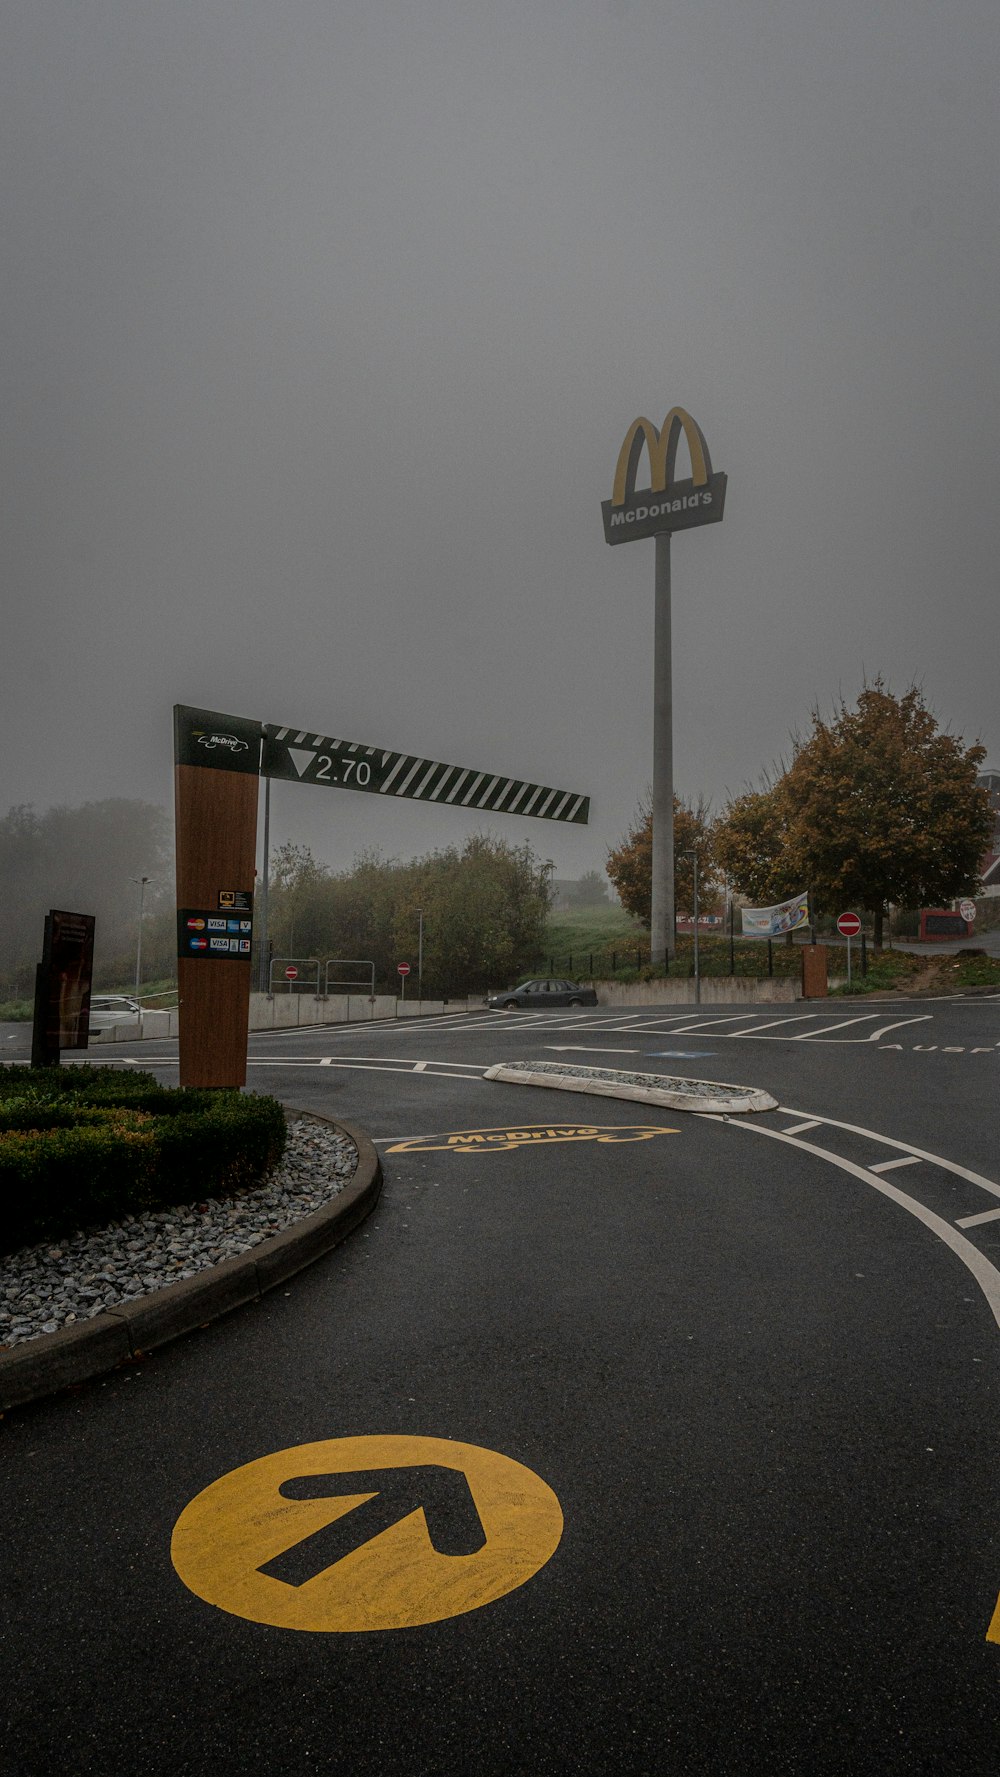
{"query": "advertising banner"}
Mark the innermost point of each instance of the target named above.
(774, 922)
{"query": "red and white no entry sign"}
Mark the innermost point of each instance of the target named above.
(848, 925)
(291, 973)
(402, 968)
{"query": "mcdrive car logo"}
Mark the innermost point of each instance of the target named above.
(230, 742)
(667, 504)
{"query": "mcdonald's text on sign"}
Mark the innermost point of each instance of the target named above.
(666, 504)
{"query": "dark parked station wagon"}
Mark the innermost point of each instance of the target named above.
(535, 995)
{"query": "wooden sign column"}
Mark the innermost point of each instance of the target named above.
(216, 779)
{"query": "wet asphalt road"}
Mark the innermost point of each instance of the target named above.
(763, 1391)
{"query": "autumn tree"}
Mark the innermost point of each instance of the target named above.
(483, 910)
(630, 862)
(752, 845)
(879, 805)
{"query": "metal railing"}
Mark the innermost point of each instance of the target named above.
(294, 983)
(348, 962)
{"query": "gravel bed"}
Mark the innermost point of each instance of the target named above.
(616, 1076)
(54, 1285)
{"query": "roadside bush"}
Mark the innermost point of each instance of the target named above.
(75, 1151)
(91, 1083)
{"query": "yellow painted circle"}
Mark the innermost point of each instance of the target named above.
(395, 1580)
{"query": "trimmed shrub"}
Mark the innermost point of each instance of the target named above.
(78, 1082)
(113, 1145)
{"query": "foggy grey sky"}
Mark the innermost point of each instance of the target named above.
(322, 327)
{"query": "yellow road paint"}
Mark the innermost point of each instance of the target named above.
(396, 1579)
(993, 1632)
(523, 1135)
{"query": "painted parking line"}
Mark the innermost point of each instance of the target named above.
(904, 1147)
(890, 1165)
(988, 1215)
(985, 1274)
(586, 1049)
(976, 1263)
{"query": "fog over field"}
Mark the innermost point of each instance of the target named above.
(323, 326)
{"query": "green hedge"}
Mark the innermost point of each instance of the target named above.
(85, 1145)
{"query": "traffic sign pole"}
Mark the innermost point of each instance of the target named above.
(848, 925)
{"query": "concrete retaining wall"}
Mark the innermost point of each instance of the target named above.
(715, 990)
(287, 1011)
(155, 1025)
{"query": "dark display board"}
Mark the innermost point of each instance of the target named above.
(944, 925)
(62, 986)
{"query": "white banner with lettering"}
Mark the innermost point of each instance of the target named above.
(772, 922)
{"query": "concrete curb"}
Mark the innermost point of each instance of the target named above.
(55, 1360)
(727, 1100)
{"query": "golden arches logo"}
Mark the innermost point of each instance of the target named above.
(662, 448)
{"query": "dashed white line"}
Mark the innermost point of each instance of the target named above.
(974, 1221)
(974, 1178)
(890, 1165)
(985, 1274)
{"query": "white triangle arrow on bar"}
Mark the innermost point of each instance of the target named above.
(300, 759)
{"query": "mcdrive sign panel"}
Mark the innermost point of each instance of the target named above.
(235, 743)
(666, 504)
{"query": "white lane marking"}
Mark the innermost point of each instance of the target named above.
(586, 1049)
(419, 1067)
(406, 1061)
(732, 1018)
(985, 1274)
(798, 1128)
(433, 1069)
(797, 1018)
(861, 1018)
(890, 1165)
(988, 1215)
(884, 1029)
(906, 1147)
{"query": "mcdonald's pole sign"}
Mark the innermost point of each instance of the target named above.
(665, 506)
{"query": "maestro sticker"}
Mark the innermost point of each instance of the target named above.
(366, 1533)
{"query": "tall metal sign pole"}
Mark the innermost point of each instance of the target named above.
(661, 930)
(665, 506)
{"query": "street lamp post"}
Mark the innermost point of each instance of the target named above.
(693, 855)
(141, 882)
(420, 955)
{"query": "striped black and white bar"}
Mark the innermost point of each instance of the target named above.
(304, 757)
